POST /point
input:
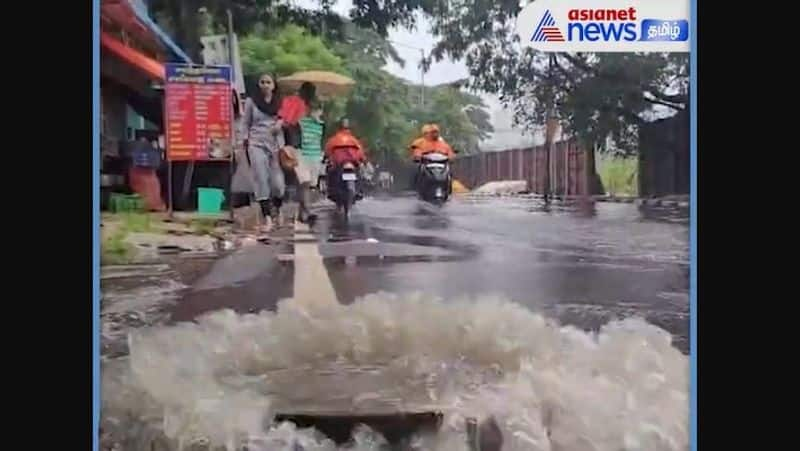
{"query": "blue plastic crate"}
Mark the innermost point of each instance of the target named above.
(146, 158)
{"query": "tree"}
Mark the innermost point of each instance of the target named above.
(286, 50)
(382, 107)
(596, 96)
(187, 20)
(355, 52)
(378, 106)
(461, 116)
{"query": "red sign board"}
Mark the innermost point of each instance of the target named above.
(197, 112)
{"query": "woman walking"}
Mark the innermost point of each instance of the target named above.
(264, 138)
(293, 110)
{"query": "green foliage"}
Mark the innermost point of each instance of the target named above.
(461, 117)
(287, 50)
(114, 250)
(136, 222)
(600, 96)
(619, 175)
(595, 96)
(382, 108)
(203, 226)
(378, 106)
(187, 20)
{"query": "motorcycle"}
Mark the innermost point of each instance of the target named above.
(342, 184)
(434, 181)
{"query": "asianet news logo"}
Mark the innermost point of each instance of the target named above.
(609, 25)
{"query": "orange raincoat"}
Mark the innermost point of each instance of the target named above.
(343, 147)
(430, 142)
(434, 145)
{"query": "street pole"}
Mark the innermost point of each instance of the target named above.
(422, 78)
(421, 70)
(323, 26)
(231, 49)
(549, 128)
(230, 36)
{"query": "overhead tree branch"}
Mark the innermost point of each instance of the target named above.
(667, 104)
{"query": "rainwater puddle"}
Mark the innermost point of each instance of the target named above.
(132, 297)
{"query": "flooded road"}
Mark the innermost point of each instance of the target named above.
(459, 311)
(585, 266)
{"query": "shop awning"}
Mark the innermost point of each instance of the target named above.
(149, 66)
(132, 16)
(140, 10)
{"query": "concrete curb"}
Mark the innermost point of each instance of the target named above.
(662, 202)
(615, 199)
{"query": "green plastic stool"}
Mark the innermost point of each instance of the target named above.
(126, 203)
(209, 201)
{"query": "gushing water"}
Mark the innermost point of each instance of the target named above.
(218, 383)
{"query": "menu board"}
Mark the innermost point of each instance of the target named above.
(198, 112)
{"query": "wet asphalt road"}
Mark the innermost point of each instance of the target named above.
(584, 264)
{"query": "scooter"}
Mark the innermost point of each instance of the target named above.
(434, 181)
(342, 185)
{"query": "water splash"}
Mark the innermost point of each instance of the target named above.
(220, 381)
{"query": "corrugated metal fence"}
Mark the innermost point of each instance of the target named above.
(664, 156)
(568, 175)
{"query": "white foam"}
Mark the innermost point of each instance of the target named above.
(549, 387)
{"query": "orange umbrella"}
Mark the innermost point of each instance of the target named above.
(328, 84)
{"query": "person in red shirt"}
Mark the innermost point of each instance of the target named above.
(293, 108)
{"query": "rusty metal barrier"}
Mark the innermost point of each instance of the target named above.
(568, 168)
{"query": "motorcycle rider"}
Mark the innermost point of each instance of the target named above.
(341, 148)
(418, 143)
(431, 141)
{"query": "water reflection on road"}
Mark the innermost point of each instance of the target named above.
(585, 262)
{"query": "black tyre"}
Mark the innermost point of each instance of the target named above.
(349, 196)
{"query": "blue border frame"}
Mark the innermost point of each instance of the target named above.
(96, 225)
(693, 228)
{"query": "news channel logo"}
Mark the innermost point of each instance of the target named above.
(607, 26)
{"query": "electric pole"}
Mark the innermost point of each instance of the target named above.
(550, 125)
(421, 70)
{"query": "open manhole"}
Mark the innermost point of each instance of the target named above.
(398, 429)
(171, 249)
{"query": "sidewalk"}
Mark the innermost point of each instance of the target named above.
(150, 262)
(128, 238)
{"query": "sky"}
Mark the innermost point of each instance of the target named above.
(408, 44)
